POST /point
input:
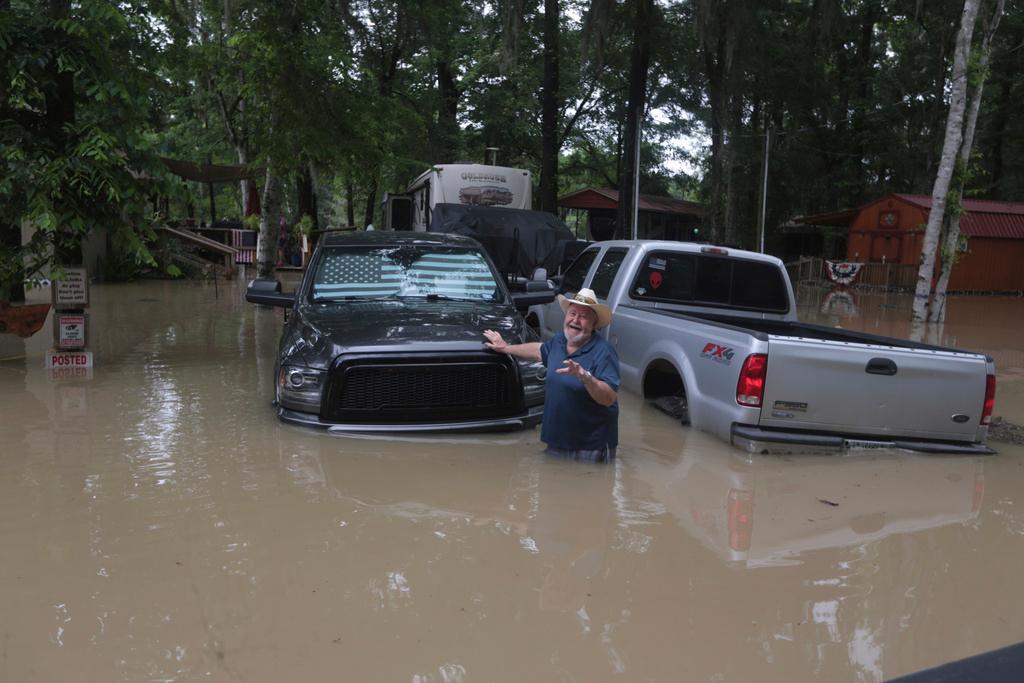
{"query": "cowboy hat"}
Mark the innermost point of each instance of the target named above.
(586, 297)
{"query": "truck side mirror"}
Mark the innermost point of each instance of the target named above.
(538, 286)
(532, 297)
(268, 293)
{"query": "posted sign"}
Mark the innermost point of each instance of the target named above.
(69, 359)
(73, 290)
(69, 364)
(70, 331)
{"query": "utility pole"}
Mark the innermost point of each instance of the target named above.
(636, 173)
(764, 189)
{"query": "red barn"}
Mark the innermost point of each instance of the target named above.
(891, 230)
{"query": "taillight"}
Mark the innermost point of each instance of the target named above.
(990, 399)
(750, 388)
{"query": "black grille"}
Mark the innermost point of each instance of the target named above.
(396, 390)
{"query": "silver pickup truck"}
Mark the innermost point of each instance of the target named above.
(716, 330)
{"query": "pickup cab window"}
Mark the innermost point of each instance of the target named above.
(606, 271)
(758, 286)
(346, 273)
(697, 279)
(577, 272)
(714, 280)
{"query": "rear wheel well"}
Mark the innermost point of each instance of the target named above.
(662, 379)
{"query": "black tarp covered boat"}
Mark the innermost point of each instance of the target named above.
(519, 241)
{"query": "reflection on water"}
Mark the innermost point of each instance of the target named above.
(158, 523)
(773, 516)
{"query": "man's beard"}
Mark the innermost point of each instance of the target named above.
(575, 336)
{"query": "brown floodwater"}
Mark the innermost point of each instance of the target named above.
(157, 523)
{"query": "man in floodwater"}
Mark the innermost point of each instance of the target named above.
(581, 408)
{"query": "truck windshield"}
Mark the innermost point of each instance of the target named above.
(407, 271)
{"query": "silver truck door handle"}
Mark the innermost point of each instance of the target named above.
(880, 366)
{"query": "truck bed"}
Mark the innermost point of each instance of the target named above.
(824, 382)
(782, 328)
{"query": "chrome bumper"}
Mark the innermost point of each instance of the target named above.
(768, 441)
(531, 418)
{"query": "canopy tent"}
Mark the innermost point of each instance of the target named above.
(519, 241)
(218, 173)
(210, 173)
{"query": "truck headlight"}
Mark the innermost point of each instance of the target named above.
(300, 388)
(532, 374)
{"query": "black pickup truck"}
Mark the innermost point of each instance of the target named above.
(385, 333)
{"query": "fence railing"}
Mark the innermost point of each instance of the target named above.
(882, 275)
(888, 275)
(806, 269)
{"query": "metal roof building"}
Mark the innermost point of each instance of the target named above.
(890, 230)
(658, 217)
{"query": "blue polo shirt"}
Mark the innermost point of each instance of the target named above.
(572, 419)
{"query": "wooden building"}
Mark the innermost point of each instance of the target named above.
(661, 218)
(891, 230)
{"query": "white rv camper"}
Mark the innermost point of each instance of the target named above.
(473, 184)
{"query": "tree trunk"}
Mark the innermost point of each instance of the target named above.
(639, 63)
(549, 110)
(715, 208)
(730, 210)
(858, 124)
(1005, 108)
(266, 245)
(314, 178)
(371, 206)
(950, 248)
(350, 202)
(938, 97)
(246, 183)
(10, 235)
(1005, 113)
(306, 190)
(950, 150)
(60, 112)
(717, 46)
(10, 242)
(236, 129)
(447, 113)
(60, 98)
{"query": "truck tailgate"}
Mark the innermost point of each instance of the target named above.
(851, 388)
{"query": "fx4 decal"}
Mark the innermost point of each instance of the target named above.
(717, 353)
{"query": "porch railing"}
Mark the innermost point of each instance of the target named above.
(892, 276)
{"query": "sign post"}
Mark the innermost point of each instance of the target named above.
(70, 358)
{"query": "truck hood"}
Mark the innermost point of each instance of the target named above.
(394, 323)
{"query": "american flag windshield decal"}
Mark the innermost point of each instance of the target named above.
(372, 272)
